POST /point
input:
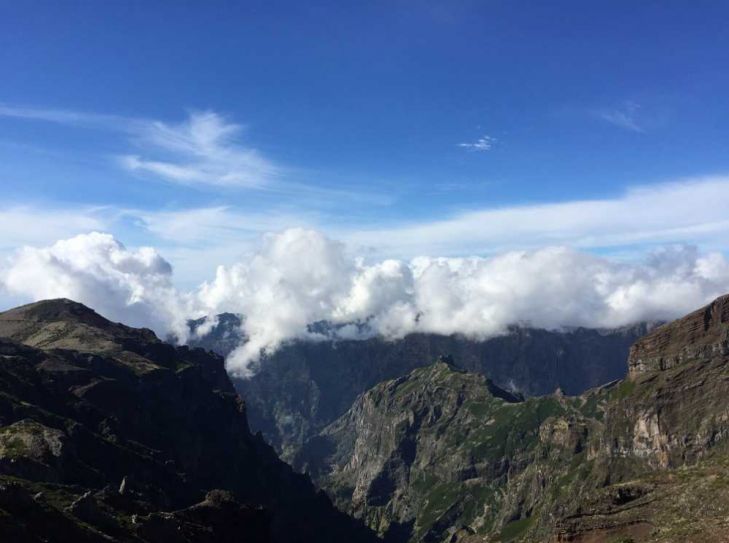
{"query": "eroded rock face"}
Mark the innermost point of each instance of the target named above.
(117, 436)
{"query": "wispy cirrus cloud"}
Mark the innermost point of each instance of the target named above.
(205, 149)
(68, 117)
(685, 211)
(484, 143)
(217, 225)
(624, 116)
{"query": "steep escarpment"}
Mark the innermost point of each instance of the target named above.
(657, 467)
(305, 385)
(109, 434)
(444, 455)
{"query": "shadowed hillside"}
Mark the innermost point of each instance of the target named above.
(109, 434)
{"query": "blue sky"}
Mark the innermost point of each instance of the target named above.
(401, 128)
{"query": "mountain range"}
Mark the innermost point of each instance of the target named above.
(305, 385)
(109, 434)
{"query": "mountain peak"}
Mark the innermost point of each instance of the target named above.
(66, 324)
(56, 309)
(699, 336)
(447, 360)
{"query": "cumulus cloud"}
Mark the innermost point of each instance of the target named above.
(299, 277)
(133, 286)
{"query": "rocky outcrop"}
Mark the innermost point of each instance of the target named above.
(109, 434)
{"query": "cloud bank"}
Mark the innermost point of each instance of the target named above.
(298, 277)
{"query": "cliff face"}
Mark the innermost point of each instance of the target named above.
(663, 442)
(306, 385)
(109, 434)
(701, 335)
(443, 455)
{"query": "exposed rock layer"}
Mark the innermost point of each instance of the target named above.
(701, 335)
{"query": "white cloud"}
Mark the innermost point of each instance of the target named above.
(65, 116)
(198, 239)
(625, 116)
(484, 143)
(216, 224)
(300, 276)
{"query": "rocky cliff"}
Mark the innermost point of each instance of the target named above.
(445, 455)
(109, 434)
(701, 335)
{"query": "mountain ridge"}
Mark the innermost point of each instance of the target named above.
(109, 434)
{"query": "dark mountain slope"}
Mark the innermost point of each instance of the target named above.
(108, 434)
(306, 385)
(442, 455)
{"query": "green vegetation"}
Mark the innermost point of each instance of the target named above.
(623, 390)
(592, 408)
(515, 529)
(440, 498)
(480, 409)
